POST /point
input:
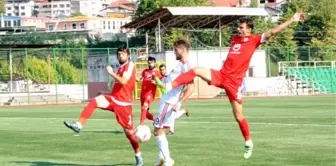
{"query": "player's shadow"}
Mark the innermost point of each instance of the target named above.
(46, 163)
(104, 131)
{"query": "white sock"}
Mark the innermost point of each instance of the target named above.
(172, 125)
(79, 125)
(179, 113)
(163, 146)
(138, 154)
(249, 143)
(159, 158)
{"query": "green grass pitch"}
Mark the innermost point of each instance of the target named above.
(286, 132)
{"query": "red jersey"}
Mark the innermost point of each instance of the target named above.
(148, 88)
(240, 54)
(124, 93)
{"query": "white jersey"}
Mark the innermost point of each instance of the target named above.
(173, 96)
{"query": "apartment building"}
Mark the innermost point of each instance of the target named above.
(53, 8)
(120, 8)
(87, 7)
(19, 8)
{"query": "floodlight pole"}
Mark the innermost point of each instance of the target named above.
(146, 43)
(159, 29)
(11, 70)
(220, 33)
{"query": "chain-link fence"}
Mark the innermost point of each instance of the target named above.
(71, 75)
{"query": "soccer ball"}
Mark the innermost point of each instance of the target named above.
(142, 133)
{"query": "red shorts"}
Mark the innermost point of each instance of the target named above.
(123, 114)
(233, 87)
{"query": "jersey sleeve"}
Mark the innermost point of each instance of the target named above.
(128, 71)
(189, 65)
(259, 39)
(143, 73)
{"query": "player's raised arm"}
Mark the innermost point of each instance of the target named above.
(296, 18)
(121, 79)
(123, 56)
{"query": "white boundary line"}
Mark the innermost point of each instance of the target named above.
(182, 122)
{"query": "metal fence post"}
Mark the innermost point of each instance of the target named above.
(55, 79)
(82, 59)
(27, 79)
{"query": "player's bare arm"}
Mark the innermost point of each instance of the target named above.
(187, 92)
(121, 79)
(296, 18)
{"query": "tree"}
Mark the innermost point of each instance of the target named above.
(254, 3)
(77, 14)
(145, 7)
(2, 7)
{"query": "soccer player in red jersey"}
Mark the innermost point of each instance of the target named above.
(231, 75)
(148, 89)
(119, 101)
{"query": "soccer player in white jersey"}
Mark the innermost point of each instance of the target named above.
(171, 102)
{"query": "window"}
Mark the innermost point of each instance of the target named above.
(61, 6)
(9, 14)
(109, 26)
(65, 26)
(16, 14)
(23, 14)
(50, 27)
(14, 23)
(104, 25)
(68, 5)
(18, 23)
(9, 8)
(74, 26)
(262, 1)
(22, 7)
(9, 23)
(113, 25)
(82, 25)
(55, 6)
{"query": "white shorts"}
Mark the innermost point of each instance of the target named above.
(164, 117)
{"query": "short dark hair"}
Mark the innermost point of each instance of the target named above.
(150, 58)
(183, 43)
(248, 22)
(162, 65)
(123, 49)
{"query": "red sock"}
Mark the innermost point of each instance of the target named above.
(134, 143)
(143, 115)
(244, 128)
(87, 111)
(149, 116)
(184, 78)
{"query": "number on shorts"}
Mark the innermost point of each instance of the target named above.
(239, 93)
(156, 122)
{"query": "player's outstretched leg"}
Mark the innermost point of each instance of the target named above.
(244, 128)
(86, 114)
(176, 115)
(162, 142)
(135, 145)
(185, 78)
